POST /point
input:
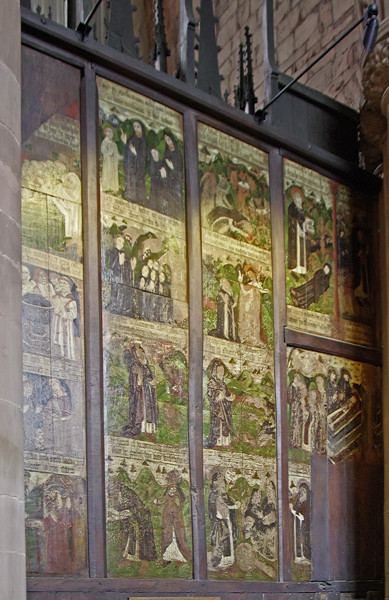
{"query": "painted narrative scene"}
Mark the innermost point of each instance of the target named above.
(335, 414)
(329, 265)
(141, 156)
(52, 319)
(145, 322)
(239, 398)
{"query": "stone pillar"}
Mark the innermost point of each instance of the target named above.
(12, 543)
(375, 148)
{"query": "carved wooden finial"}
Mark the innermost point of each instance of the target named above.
(161, 50)
(245, 98)
(249, 96)
(239, 89)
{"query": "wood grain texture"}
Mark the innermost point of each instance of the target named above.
(93, 326)
(195, 345)
(279, 308)
(300, 339)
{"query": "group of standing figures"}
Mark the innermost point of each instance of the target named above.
(259, 522)
(51, 314)
(242, 320)
(140, 284)
(131, 523)
(156, 154)
(316, 407)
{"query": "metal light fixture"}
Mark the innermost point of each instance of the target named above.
(370, 24)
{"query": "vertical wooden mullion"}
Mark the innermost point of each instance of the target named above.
(93, 325)
(195, 294)
(279, 311)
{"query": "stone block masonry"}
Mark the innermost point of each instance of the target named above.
(12, 546)
(301, 31)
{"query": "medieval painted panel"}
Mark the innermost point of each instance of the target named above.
(52, 319)
(146, 380)
(239, 398)
(234, 184)
(241, 506)
(55, 519)
(332, 407)
(145, 320)
(148, 510)
(237, 292)
(239, 402)
(328, 257)
(355, 275)
(141, 153)
(143, 264)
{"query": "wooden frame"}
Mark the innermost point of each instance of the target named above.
(93, 327)
(94, 59)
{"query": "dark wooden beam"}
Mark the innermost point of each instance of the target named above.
(172, 587)
(308, 341)
(193, 217)
(93, 326)
(279, 312)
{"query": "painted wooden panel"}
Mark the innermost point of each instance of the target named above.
(328, 257)
(335, 428)
(239, 398)
(145, 321)
(52, 289)
(334, 412)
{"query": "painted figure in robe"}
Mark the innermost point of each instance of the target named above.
(134, 163)
(297, 398)
(220, 400)
(130, 525)
(222, 516)
(110, 153)
(143, 409)
(174, 545)
(298, 227)
(65, 321)
(121, 272)
(301, 512)
(250, 318)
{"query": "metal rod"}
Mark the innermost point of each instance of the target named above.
(92, 12)
(312, 64)
(83, 27)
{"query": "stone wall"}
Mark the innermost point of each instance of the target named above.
(302, 30)
(233, 16)
(12, 558)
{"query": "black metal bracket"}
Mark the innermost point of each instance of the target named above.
(83, 27)
(369, 37)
